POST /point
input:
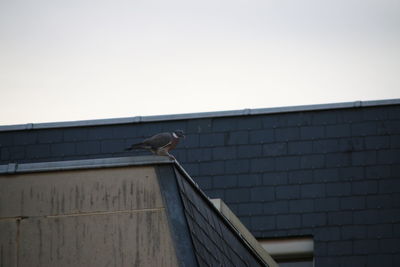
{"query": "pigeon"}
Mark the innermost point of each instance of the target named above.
(160, 144)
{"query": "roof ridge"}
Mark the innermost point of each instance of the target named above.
(200, 115)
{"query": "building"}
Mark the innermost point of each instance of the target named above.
(130, 211)
(323, 176)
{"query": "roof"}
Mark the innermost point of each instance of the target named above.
(243, 112)
(197, 226)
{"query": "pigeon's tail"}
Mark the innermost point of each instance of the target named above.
(135, 146)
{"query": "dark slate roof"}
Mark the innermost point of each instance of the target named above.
(332, 172)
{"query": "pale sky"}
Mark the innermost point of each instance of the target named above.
(80, 59)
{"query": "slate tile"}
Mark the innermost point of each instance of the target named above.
(38, 151)
(301, 206)
(327, 234)
(365, 246)
(338, 160)
(340, 248)
(300, 147)
(389, 245)
(287, 192)
(380, 260)
(366, 217)
(262, 194)
(16, 153)
(212, 168)
(63, 149)
(354, 261)
(388, 156)
(389, 186)
(364, 128)
(275, 178)
(325, 146)
(6, 139)
(352, 232)
(352, 203)
(199, 125)
(379, 231)
(250, 209)
(312, 161)
(351, 115)
(224, 181)
(300, 177)
(277, 207)
(274, 149)
(377, 172)
(237, 166)
(50, 136)
(212, 139)
(75, 134)
(338, 189)
(263, 222)
(100, 132)
(352, 144)
(249, 151)
(199, 154)
(249, 180)
(364, 158)
(25, 138)
(326, 175)
(287, 134)
(379, 201)
(262, 164)
(377, 142)
(237, 195)
(261, 136)
(88, 148)
(365, 187)
(324, 117)
(237, 138)
(191, 141)
(112, 146)
(249, 122)
(224, 152)
(338, 130)
(326, 204)
(340, 218)
(287, 163)
(312, 132)
(223, 124)
(288, 221)
(313, 219)
(351, 173)
(312, 190)
(4, 154)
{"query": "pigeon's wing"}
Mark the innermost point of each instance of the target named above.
(159, 140)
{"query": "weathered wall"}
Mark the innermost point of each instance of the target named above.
(98, 217)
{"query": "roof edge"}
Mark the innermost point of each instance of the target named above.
(14, 168)
(200, 115)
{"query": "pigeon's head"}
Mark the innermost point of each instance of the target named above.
(179, 133)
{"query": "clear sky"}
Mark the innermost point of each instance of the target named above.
(81, 59)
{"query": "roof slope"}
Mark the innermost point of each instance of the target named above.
(330, 173)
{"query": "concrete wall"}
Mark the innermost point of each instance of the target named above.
(97, 217)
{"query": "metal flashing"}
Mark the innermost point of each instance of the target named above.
(13, 168)
(199, 115)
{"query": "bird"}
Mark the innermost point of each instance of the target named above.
(161, 143)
